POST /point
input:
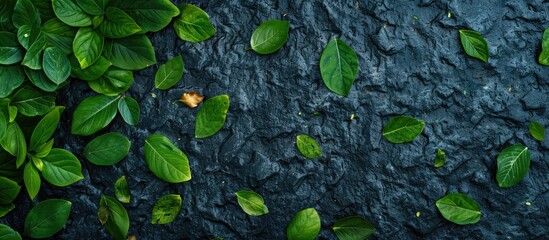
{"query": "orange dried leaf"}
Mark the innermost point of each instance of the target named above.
(132, 237)
(191, 99)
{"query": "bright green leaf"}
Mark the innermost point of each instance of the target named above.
(513, 163)
(118, 24)
(402, 129)
(47, 218)
(305, 225)
(270, 36)
(70, 13)
(14, 142)
(93, 114)
(131, 53)
(121, 190)
(165, 160)
(151, 16)
(339, 67)
(440, 159)
(166, 209)
(353, 228)
(537, 131)
(107, 149)
(61, 168)
(459, 209)
(87, 46)
(169, 73)
(32, 180)
(308, 147)
(251, 203)
(7, 233)
(33, 102)
(211, 116)
(129, 110)
(8, 190)
(474, 44)
(118, 222)
(193, 24)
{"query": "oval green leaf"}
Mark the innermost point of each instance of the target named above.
(270, 36)
(93, 7)
(513, 163)
(47, 218)
(61, 168)
(166, 209)
(169, 73)
(70, 13)
(474, 44)
(118, 24)
(8, 190)
(33, 57)
(131, 53)
(25, 13)
(113, 82)
(94, 71)
(33, 102)
(45, 128)
(58, 34)
(305, 225)
(339, 67)
(31, 177)
(107, 149)
(308, 147)
(56, 65)
(118, 222)
(353, 228)
(402, 129)
(251, 203)
(5, 209)
(10, 51)
(121, 190)
(93, 114)
(193, 24)
(7, 233)
(14, 143)
(537, 131)
(440, 159)
(40, 80)
(151, 16)
(211, 116)
(11, 77)
(165, 160)
(87, 46)
(129, 110)
(459, 209)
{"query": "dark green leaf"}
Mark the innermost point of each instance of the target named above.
(193, 24)
(32, 180)
(10, 51)
(121, 190)
(166, 209)
(513, 164)
(165, 160)
(8, 167)
(11, 77)
(56, 65)
(353, 228)
(118, 222)
(537, 131)
(26, 35)
(8, 190)
(402, 129)
(70, 13)
(130, 110)
(93, 114)
(107, 149)
(251, 203)
(45, 128)
(103, 214)
(94, 71)
(339, 67)
(45, 9)
(97, 20)
(308, 147)
(14, 142)
(440, 159)
(44, 149)
(459, 209)
(25, 14)
(58, 34)
(305, 225)
(33, 102)
(93, 7)
(6, 11)
(211, 116)
(5, 209)
(6, 233)
(113, 82)
(270, 36)
(118, 24)
(130, 53)
(47, 218)
(87, 46)
(169, 73)
(61, 168)
(40, 80)
(474, 44)
(151, 16)
(33, 58)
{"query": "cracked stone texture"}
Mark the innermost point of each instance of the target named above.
(411, 62)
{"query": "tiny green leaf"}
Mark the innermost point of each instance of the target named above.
(166, 209)
(7, 233)
(107, 149)
(474, 44)
(440, 159)
(56, 65)
(165, 160)
(459, 209)
(308, 147)
(121, 190)
(305, 225)
(339, 67)
(47, 218)
(61, 168)
(353, 228)
(537, 130)
(118, 222)
(31, 176)
(129, 110)
(93, 114)
(211, 116)
(8, 190)
(270, 36)
(513, 163)
(251, 203)
(169, 73)
(544, 55)
(193, 24)
(87, 46)
(402, 129)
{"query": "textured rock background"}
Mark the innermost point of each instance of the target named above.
(411, 62)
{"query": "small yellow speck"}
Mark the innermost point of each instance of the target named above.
(352, 116)
(153, 95)
(418, 214)
(510, 89)
(528, 203)
(449, 14)
(299, 113)
(285, 14)
(26, 35)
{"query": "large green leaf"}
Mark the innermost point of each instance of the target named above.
(14, 142)
(130, 53)
(513, 164)
(7, 233)
(87, 46)
(32, 180)
(47, 218)
(151, 16)
(107, 149)
(118, 222)
(113, 82)
(58, 34)
(537, 131)
(211, 116)
(251, 203)
(308, 147)
(45, 128)
(474, 44)
(70, 13)
(11, 77)
(40, 80)
(338, 67)
(353, 228)
(56, 65)
(93, 114)
(459, 209)
(61, 168)
(440, 159)
(25, 14)
(166, 209)
(94, 71)
(305, 225)
(169, 73)
(33, 102)
(8, 190)
(270, 36)
(402, 129)
(129, 110)
(118, 24)
(193, 24)
(33, 57)
(93, 7)
(10, 51)
(121, 190)
(165, 160)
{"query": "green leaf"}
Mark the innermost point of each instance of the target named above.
(93, 7)
(8, 167)
(14, 143)
(47, 218)
(45, 9)
(33, 57)
(193, 24)
(459, 209)
(56, 65)
(107, 149)
(12, 113)
(61, 168)
(130, 53)
(537, 130)
(8, 190)
(40, 80)
(165, 160)
(3, 123)
(251, 203)
(440, 159)
(166, 209)
(10, 51)
(43, 150)
(26, 35)
(33, 102)
(70, 13)
(130, 110)
(5, 209)
(474, 44)
(402, 129)
(11, 77)
(513, 163)
(305, 225)
(151, 16)
(25, 14)
(270, 36)
(118, 222)
(353, 228)
(113, 82)
(87, 46)
(169, 73)
(121, 190)
(118, 24)
(7, 233)
(94, 71)
(211, 116)
(544, 55)
(6, 12)
(93, 114)
(32, 180)
(338, 67)
(58, 34)
(308, 147)
(97, 20)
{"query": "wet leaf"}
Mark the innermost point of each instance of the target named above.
(513, 163)
(474, 44)
(193, 24)
(353, 228)
(305, 225)
(402, 129)
(121, 190)
(56, 65)
(211, 116)
(308, 147)
(339, 67)
(191, 99)
(166, 209)
(270, 36)
(251, 203)
(440, 159)
(459, 209)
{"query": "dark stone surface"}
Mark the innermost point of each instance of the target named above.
(411, 62)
